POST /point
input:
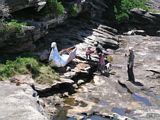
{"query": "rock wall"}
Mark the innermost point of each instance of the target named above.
(12, 42)
(148, 21)
(18, 42)
(9, 6)
(101, 10)
(24, 42)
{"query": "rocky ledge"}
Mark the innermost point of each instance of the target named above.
(143, 20)
(19, 101)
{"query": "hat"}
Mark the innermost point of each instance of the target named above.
(53, 44)
(130, 48)
(95, 43)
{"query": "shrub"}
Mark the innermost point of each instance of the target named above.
(74, 10)
(123, 7)
(13, 26)
(58, 7)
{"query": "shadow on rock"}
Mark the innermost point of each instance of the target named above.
(137, 83)
(55, 89)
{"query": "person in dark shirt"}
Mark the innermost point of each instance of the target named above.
(130, 65)
(99, 48)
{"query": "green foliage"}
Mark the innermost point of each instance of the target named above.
(13, 26)
(28, 65)
(74, 10)
(18, 66)
(58, 7)
(123, 7)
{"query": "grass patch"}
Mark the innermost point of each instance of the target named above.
(46, 75)
(43, 74)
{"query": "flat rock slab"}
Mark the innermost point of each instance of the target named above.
(17, 103)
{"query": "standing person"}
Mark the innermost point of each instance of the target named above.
(99, 48)
(101, 65)
(130, 65)
(88, 53)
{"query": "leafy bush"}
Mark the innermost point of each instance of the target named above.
(58, 7)
(28, 65)
(13, 26)
(74, 10)
(123, 7)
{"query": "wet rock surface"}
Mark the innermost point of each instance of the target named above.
(114, 94)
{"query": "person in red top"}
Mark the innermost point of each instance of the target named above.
(88, 53)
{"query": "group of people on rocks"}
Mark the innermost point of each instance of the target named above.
(102, 53)
(103, 61)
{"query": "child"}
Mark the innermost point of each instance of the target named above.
(88, 53)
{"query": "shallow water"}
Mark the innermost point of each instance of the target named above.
(71, 119)
(142, 99)
(72, 102)
(158, 97)
(95, 117)
(119, 111)
(92, 117)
